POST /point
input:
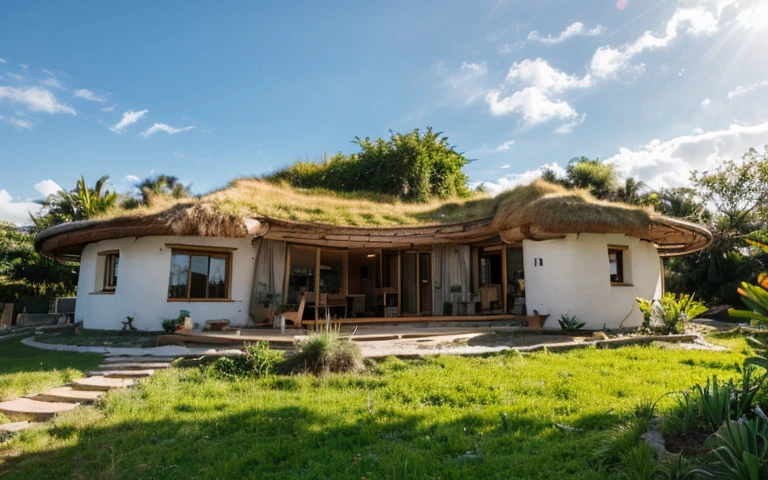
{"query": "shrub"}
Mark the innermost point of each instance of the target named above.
(669, 314)
(257, 360)
(570, 322)
(172, 324)
(756, 298)
(740, 449)
(325, 351)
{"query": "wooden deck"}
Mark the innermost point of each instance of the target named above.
(369, 329)
(534, 321)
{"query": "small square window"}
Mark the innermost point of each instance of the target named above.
(111, 264)
(616, 265)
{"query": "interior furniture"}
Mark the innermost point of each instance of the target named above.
(488, 294)
(386, 299)
(357, 302)
(331, 303)
(296, 316)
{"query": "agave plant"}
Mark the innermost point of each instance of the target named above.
(669, 313)
(740, 449)
(756, 298)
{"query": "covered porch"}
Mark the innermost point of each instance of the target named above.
(312, 284)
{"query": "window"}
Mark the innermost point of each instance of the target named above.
(616, 264)
(199, 275)
(111, 263)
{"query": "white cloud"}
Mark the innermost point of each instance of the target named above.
(52, 82)
(693, 19)
(706, 102)
(668, 163)
(503, 167)
(568, 127)
(132, 178)
(475, 68)
(16, 211)
(573, 30)
(89, 95)
(535, 102)
(465, 86)
(18, 122)
(508, 182)
(540, 74)
(109, 108)
(47, 187)
(532, 104)
(129, 118)
(17, 76)
(742, 90)
(2, 60)
(755, 17)
(505, 146)
(35, 99)
(161, 127)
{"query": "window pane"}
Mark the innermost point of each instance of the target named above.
(199, 278)
(217, 278)
(614, 263)
(113, 273)
(177, 285)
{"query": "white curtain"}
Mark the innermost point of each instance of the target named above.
(450, 271)
(270, 269)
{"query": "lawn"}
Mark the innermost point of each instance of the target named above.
(25, 370)
(442, 417)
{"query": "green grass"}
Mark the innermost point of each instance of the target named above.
(25, 370)
(100, 338)
(440, 417)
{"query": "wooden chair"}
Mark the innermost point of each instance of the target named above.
(298, 315)
(335, 301)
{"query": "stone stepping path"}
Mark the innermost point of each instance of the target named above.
(134, 366)
(35, 410)
(69, 395)
(133, 359)
(101, 384)
(14, 427)
(122, 373)
(115, 372)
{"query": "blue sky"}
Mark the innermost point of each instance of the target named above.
(210, 91)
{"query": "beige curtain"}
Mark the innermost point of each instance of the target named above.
(270, 270)
(451, 274)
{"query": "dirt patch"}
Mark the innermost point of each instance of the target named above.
(508, 339)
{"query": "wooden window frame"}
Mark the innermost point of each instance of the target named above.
(619, 251)
(108, 275)
(215, 252)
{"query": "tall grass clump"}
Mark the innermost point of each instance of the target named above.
(257, 360)
(325, 351)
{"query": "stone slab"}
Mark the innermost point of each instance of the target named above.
(101, 384)
(68, 395)
(122, 373)
(28, 409)
(15, 426)
(134, 366)
(135, 359)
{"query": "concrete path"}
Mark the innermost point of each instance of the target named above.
(167, 351)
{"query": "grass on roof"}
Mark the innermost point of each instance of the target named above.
(259, 198)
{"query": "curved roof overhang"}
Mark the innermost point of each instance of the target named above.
(66, 241)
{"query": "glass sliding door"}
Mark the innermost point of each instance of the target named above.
(425, 283)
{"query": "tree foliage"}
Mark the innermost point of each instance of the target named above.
(80, 203)
(161, 184)
(25, 273)
(414, 166)
(731, 201)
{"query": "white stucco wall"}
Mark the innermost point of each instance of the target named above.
(142, 285)
(574, 279)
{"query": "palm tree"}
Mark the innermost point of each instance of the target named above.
(632, 191)
(162, 185)
(680, 203)
(80, 203)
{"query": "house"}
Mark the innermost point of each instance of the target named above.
(537, 249)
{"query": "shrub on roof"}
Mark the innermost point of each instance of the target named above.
(414, 166)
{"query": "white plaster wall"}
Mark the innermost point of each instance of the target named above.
(575, 279)
(142, 284)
